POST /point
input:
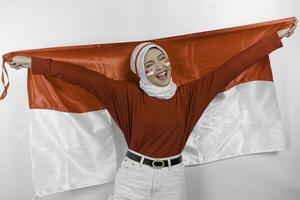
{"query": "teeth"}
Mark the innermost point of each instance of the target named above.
(162, 73)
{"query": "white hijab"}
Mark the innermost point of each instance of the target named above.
(137, 66)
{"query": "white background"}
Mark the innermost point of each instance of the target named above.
(38, 24)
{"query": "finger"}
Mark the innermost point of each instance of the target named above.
(11, 62)
(289, 34)
(292, 29)
(17, 64)
(19, 67)
(14, 67)
(295, 25)
(21, 59)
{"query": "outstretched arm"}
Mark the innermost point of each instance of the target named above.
(117, 96)
(223, 74)
(197, 94)
(105, 89)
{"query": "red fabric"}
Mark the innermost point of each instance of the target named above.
(191, 55)
(152, 126)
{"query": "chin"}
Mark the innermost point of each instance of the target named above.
(160, 83)
(165, 84)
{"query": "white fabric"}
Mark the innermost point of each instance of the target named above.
(137, 62)
(240, 121)
(75, 150)
(71, 150)
(139, 181)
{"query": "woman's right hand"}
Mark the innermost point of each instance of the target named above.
(19, 62)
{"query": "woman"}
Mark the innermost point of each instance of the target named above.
(157, 121)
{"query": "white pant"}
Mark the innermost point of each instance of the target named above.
(136, 181)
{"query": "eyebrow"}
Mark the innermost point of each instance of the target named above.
(151, 60)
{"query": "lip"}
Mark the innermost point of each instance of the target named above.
(161, 72)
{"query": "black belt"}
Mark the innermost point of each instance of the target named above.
(153, 163)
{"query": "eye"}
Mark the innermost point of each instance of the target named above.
(162, 57)
(148, 66)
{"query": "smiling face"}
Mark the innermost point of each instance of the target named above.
(158, 63)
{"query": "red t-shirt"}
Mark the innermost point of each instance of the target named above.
(152, 126)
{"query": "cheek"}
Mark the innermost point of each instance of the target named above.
(170, 71)
(149, 70)
(153, 80)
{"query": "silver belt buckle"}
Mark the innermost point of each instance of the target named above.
(158, 167)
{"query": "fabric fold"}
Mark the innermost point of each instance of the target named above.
(75, 142)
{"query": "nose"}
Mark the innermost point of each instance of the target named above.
(159, 66)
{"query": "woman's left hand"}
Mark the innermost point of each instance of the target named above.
(287, 32)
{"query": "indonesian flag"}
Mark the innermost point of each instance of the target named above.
(75, 143)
